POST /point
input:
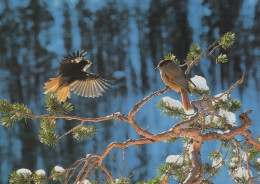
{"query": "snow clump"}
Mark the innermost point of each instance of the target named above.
(200, 83)
(242, 173)
(24, 172)
(176, 159)
(58, 169)
(172, 103)
(40, 172)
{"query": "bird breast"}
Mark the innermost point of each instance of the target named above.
(169, 83)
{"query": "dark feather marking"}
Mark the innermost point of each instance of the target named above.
(164, 62)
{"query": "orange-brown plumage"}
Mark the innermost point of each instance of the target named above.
(185, 100)
(63, 92)
(72, 76)
(173, 76)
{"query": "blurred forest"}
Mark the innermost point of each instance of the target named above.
(125, 40)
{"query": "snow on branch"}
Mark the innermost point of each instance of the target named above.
(211, 119)
(181, 129)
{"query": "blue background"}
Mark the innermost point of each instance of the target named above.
(125, 40)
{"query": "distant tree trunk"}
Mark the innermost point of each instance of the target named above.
(223, 18)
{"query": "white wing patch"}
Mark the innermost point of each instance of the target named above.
(89, 88)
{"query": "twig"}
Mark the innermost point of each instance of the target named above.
(117, 115)
(68, 132)
(73, 169)
(202, 55)
(181, 129)
(215, 113)
(247, 161)
(123, 158)
(220, 162)
(136, 108)
(108, 173)
(229, 90)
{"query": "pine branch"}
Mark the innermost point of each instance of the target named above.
(181, 129)
(226, 41)
(192, 128)
(117, 115)
(178, 130)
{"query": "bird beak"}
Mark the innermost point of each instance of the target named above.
(156, 67)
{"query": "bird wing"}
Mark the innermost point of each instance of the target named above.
(64, 67)
(180, 81)
(92, 86)
(175, 75)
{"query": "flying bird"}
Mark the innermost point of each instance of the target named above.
(72, 76)
(173, 76)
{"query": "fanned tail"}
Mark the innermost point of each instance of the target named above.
(63, 93)
(185, 100)
(54, 85)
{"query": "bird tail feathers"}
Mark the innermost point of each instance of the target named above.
(54, 86)
(63, 93)
(185, 100)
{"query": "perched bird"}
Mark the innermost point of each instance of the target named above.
(72, 76)
(173, 76)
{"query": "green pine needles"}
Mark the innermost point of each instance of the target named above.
(15, 112)
(170, 56)
(82, 132)
(218, 114)
(47, 132)
(227, 40)
(213, 115)
(12, 113)
(194, 52)
(55, 107)
(168, 110)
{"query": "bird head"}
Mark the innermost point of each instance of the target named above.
(163, 63)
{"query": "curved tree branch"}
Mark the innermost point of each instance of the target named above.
(181, 129)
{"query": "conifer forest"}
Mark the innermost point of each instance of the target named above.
(125, 40)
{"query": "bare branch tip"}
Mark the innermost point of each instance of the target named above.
(246, 113)
(242, 78)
